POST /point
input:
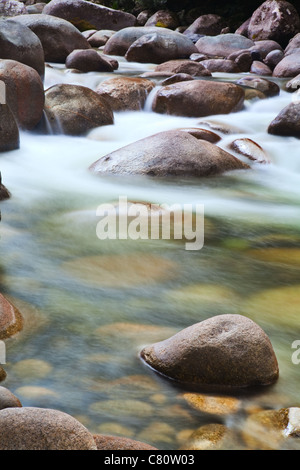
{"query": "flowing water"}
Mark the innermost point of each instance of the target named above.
(91, 305)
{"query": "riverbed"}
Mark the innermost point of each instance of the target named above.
(90, 305)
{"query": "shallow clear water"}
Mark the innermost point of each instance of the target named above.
(91, 305)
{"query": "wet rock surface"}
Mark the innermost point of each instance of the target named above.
(226, 351)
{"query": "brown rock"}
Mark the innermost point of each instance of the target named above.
(274, 19)
(125, 93)
(168, 153)
(265, 430)
(259, 68)
(293, 84)
(2, 374)
(221, 65)
(100, 38)
(24, 92)
(273, 58)
(190, 67)
(223, 352)
(293, 44)
(57, 36)
(8, 399)
(264, 47)
(74, 110)
(202, 134)
(87, 61)
(249, 149)
(86, 15)
(209, 437)
(17, 42)
(177, 77)
(11, 320)
(4, 193)
(289, 66)
(199, 98)
(9, 131)
(104, 442)
(287, 122)
(30, 428)
(163, 19)
(267, 87)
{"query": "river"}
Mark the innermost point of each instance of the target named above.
(91, 305)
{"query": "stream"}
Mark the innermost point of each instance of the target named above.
(90, 305)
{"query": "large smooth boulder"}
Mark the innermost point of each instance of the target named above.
(86, 15)
(222, 352)
(287, 122)
(75, 109)
(157, 48)
(17, 42)
(121, 41)
(29, 428)
(223, 45)
(9, 131)
(170, 153)
(12, 8)
(125, 93)
(24, 92)
(289, 66)
(11, 320)
(293, 45)
(198, 98)
(58, 37)
(274, 19)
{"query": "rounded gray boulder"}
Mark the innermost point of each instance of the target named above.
(220, 353)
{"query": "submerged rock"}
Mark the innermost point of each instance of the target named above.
(210, 437)
(86, 15)
(220, 406)
(58, 37)
(265, 430)
(170, 153)
(11, 320)
(31, 428)
(74, 109)
(198, 98)
(223, 352)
